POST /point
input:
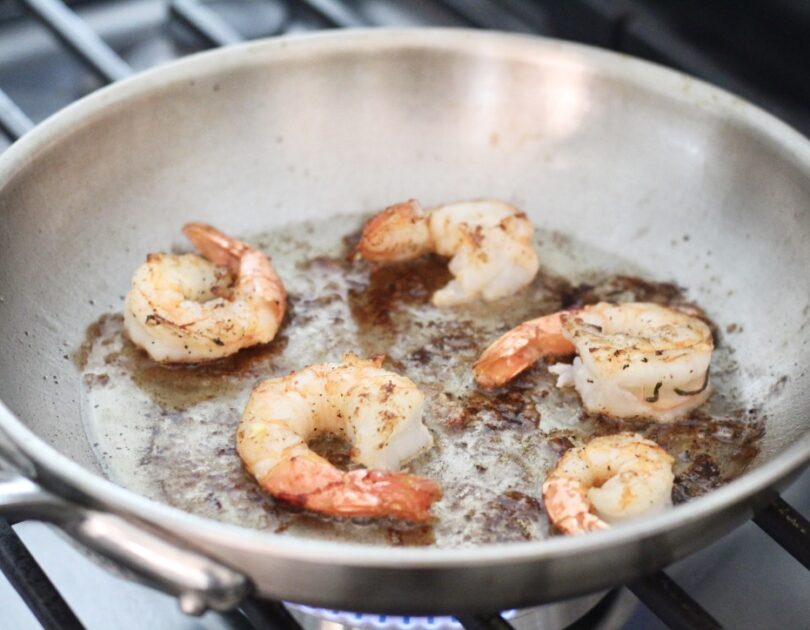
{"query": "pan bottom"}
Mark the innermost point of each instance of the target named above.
(167, 432)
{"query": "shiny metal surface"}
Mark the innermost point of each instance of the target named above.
(623, 154)
(198, 582)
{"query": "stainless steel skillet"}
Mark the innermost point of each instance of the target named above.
(623, 154)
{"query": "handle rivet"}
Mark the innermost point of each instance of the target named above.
(192, 603)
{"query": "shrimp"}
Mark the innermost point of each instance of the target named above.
(489, 244)
(620, 476)
(187, 309)
(376, 410)
(635, 359)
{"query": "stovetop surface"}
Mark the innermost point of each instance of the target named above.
(759, 53)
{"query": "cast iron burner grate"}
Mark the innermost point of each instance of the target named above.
(759, 51)
(617, 24)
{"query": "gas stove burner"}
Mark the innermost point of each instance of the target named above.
(367, 621)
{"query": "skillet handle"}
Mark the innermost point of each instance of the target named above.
(198, 582)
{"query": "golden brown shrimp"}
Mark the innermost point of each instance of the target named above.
(618, 476)
(489, 244)
(376, 410)
(635, 359)
(186, 309)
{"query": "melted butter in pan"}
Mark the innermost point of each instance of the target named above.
(168, 431)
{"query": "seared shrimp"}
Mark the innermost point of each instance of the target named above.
(186, 309)
(378, 411)
(635, 359)
(620, 476)
(489, 244)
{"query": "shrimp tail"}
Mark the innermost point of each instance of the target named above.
(320, 487)
(217, 247)
(566, 500)
(520, 348)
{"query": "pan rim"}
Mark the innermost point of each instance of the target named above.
(646, 75)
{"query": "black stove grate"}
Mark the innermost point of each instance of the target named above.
(13, 121)
(766, 64)
(79, 38)
(31, 583)
(617, 24)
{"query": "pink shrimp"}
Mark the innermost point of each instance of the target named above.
(618, 476)
(489, 243)
(186, 308)
(633, 360)
(378, 411)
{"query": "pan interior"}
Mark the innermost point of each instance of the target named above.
(619, 175)
(168, 432)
